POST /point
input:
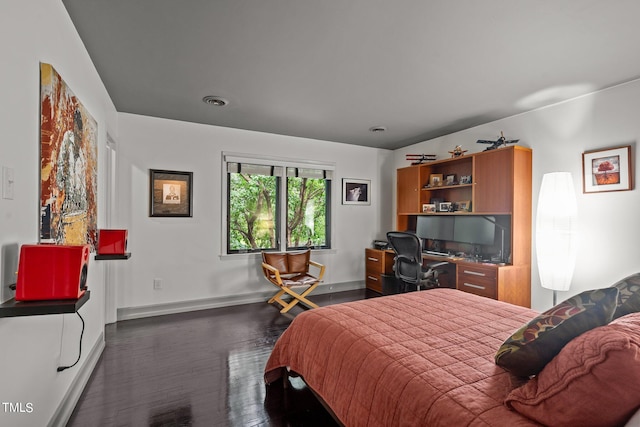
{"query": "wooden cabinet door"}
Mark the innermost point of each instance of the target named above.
(493, 181)
(408, 190)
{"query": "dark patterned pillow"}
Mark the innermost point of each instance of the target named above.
(629, 297)
(531, 347)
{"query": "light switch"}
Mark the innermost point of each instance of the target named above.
(7, 182)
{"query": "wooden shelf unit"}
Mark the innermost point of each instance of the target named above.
(501, 187)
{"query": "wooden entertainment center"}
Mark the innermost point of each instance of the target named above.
(496, 185)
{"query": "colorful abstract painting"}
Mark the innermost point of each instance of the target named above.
(68, 165)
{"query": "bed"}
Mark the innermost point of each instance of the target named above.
(418, 359)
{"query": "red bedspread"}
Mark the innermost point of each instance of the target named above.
(416, 359)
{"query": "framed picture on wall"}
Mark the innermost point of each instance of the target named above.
(606, 170)
(170, 193)
(356, 191)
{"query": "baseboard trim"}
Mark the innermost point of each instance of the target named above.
(128, 313)
(67, 405)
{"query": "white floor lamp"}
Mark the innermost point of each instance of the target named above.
(556, 231)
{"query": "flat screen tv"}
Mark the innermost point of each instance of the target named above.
(476, 230)
(435, 227)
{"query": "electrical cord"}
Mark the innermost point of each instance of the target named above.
(62, 368)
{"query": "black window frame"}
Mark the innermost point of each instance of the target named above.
(279, 171)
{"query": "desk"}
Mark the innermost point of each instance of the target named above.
(377, 263)
(505, 282)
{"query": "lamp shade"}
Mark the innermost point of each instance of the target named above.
(556, 231)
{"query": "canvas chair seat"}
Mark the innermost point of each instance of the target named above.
(289, 270)
(298, 280)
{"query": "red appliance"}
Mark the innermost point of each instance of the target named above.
(51, 272)
(112, 242)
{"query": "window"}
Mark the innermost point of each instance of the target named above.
(308, 196)
(252, 208)
(271, 202)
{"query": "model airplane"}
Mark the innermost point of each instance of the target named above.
(457, 152)
(417, 159)
(497, 143)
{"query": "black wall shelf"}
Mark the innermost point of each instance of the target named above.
(112, 256)
(13, 308)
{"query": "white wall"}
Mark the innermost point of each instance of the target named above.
(558, 135)
(31, 348)
(186, 253)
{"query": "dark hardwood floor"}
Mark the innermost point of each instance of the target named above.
(201, 368)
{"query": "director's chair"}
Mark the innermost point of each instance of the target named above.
(289, 270)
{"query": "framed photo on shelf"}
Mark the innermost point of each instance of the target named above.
(356, 191)
(435, 180)
(464, 206)
(465, 179)
(428, 207)
(450, 179)
(170, 193)
(444, 207)
(606, 170)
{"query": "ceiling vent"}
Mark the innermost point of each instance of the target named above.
(377, 129)
(215, 100)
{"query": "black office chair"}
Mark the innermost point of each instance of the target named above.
(408, 262)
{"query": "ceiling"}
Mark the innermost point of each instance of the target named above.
(332, 69)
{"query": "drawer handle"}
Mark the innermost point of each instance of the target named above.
(474, 273)
(372, 278)
(471, 285)
(373, 259)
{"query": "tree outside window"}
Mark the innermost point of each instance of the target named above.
(307, 212)
(252, 219)
(253, 208)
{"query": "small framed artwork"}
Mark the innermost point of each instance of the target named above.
(435, 180)
(444, 207)
(428, 207)
(356, 191)
(464, 206)
(450, 180)
(171, 193)
(606, 170)
(465, 179)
